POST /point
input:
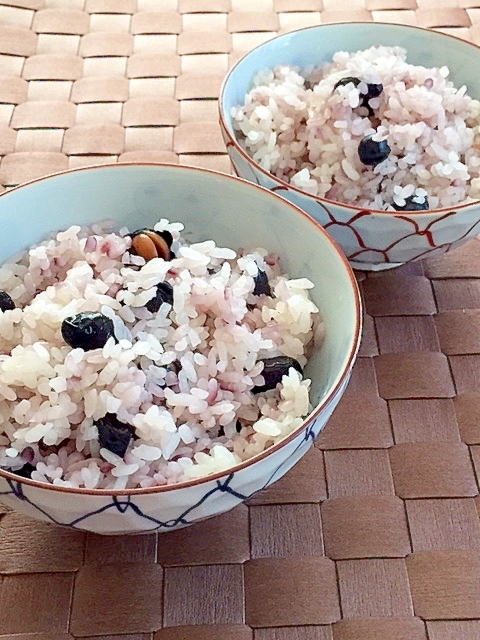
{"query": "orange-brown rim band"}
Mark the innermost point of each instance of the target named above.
(275, 447)
(289, 187)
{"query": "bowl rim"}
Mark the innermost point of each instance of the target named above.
(358, 323)
(286, 186)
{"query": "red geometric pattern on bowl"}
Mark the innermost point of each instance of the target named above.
(371, 240)
(425, 235)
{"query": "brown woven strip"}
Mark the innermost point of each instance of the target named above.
(375, 533)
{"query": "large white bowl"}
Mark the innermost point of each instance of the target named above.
(371, 240)
(236, 214)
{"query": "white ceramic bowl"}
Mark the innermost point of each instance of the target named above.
(371, 240)
(234, 213)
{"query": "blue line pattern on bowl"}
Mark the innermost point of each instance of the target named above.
(123, 503)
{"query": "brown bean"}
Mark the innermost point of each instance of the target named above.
(161, 245)
(144, 246)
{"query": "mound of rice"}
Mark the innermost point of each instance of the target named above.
(181, 377)
(297, 125)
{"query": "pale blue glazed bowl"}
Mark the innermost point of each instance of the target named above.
(371, 240)
(236, 214)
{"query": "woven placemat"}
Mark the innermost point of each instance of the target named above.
(375, 534)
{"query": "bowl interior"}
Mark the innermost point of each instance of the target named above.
(316, 45)
(212, 206)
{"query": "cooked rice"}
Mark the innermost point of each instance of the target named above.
(305, 132)
(181, 377)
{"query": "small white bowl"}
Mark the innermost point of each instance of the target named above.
(371, 240)
(234, 213)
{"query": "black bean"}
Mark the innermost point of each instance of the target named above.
(373, 91)
(26, 470)
(273, 371)
(113, 434)
(87, 330)
(167, 236)
(6, 303)
(372, 152)
(345, 81)
(262, 286)
(164, 294)
(411, 205)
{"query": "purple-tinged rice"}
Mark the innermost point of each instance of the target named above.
(298, 126)
(181, 377)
